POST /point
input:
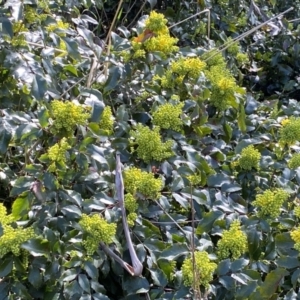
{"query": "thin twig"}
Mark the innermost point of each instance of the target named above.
(243, 35)
(170, 217)
(196, 274)
(138, 13)
(194, 15)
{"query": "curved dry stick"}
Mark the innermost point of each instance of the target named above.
(137, 266)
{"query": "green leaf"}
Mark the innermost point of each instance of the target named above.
(217, 180)
(244, 291)
(223, 267)
(158, 277)
(254, 246)
(174, 251)
(39, 87)
(181, 200)
(270, 285)
(84, 283)
(230, 187)
(6, 266)
(113, 78)
(288, 262)
(21, 206)
(20, 185)
(239, 264)
(72, 47)
(43, 116)
(5, 137)
(37, 247)
(91, 270)
(135, 285)
(207, 221)
(71, 69)
(242, 118)
(6, 27)
(35, 277)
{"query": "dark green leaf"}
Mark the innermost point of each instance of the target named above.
(158, 277)
(5, 137)
(6, 27)
(207, 221)
(39, 87)
(174, 251)
(35, 277)
(36, 247)
(6, 266)
(136, 285)
(84, 283)
(217, 180)
(20, 185)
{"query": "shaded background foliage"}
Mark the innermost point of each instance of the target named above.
(46, 54)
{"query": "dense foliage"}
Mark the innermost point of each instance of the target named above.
(206, 118)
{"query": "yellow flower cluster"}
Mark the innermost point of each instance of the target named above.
(297, 211)
(194, 179)
(294, 162)
(159, 37)
(233, 242)
(167, 116)
(224, 87)
(130, 203)
(131, 206)
(107, 121)
(66, 116)
(58, 25)
(242, 59)
(144, 183)
(190, 67)
(204, 269)
(18, 39)
(149, 144)
(295, 235)
(290, 131)
(250, 158)
(157, 23)
(96, 230)
(12, 237)
(214, 58)
(163, 43)
(131, 218)
(270, 202)
(57, 154)
(31, 15)
(234, 48)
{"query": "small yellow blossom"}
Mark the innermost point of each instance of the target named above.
(270, 202)
(290, 131)
(96, 230)
(149, 144)
(233, 242)
(167, 116)
(204, 270)
(250, 158)
(144, 183)
(67, 115)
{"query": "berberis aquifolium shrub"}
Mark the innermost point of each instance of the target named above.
(211, 174)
